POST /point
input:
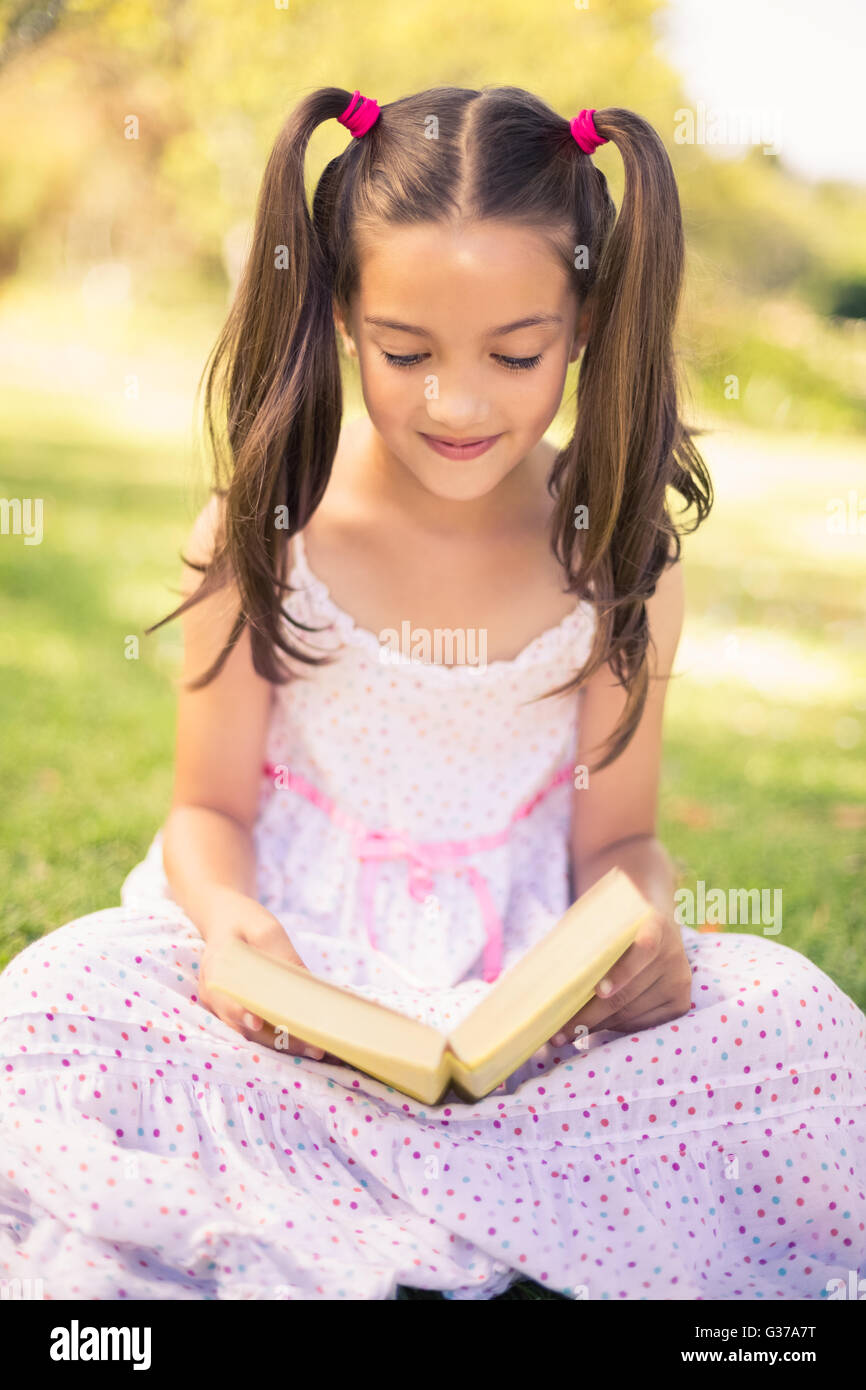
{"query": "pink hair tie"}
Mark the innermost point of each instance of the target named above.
(366, 115)
(584, 131)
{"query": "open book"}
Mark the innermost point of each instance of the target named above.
(522, 1011)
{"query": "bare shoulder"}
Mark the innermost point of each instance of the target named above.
(665, 615)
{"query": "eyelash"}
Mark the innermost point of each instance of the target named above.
(511, 364)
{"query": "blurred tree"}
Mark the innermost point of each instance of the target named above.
(849, 299)
(25, 23)
(148, 125)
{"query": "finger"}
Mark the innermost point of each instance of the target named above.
(238, 1021)
(663, 1013)
(242, 1020)
(288, 1044)
(231, 1011)
(652, 932)
(264, 1033)
(227, 1012)
(601, 1008)
(236, 1017)
(570, 1036)
(672, 1000)
(596, 1011)
(655, 996)
(282, 1041)
(636, 959)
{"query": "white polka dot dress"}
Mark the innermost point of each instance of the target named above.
(412, 837)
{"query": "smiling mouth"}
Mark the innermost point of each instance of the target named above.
(460, 449)
(460, 443)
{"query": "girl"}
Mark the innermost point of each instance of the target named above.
(410, 827)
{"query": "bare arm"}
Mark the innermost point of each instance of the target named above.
(207, 840)
(208, 858)
(614, 825)
(614, 817)
(647, 863)
(208, 851)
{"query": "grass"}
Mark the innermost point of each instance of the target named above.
(764, 772)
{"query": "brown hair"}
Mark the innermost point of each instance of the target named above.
(273, 377)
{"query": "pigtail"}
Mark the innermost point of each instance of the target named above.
(629, 444)
(273, 399)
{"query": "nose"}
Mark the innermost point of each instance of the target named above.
(455, 410)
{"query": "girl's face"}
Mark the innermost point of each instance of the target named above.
(462, 336)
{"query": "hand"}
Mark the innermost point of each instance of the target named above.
(236, 916)
(650, 984)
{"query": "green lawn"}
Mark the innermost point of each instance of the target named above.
(765, 774)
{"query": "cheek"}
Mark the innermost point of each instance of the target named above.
(538, 401)
(555, 384)
(387, 391)
(532, 394)
(556, 374)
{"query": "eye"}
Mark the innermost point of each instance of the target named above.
(511, 364)
(402, 361)
(520, 364)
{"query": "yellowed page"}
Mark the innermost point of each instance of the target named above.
(395, 1049)
(550, 984)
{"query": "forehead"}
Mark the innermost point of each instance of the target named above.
(497, 270)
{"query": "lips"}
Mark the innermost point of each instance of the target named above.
(458, 443)
(461, 449)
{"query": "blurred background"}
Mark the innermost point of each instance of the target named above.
(133, 138)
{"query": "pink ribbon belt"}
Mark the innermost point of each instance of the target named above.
(424, 859)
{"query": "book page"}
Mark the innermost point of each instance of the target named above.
(361, 1031)
(549, 984)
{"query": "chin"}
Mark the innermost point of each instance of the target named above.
(451, 488)
(464, 480)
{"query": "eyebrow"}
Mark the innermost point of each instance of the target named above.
(529, 322)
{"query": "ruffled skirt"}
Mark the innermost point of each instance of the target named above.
(150, 1152)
